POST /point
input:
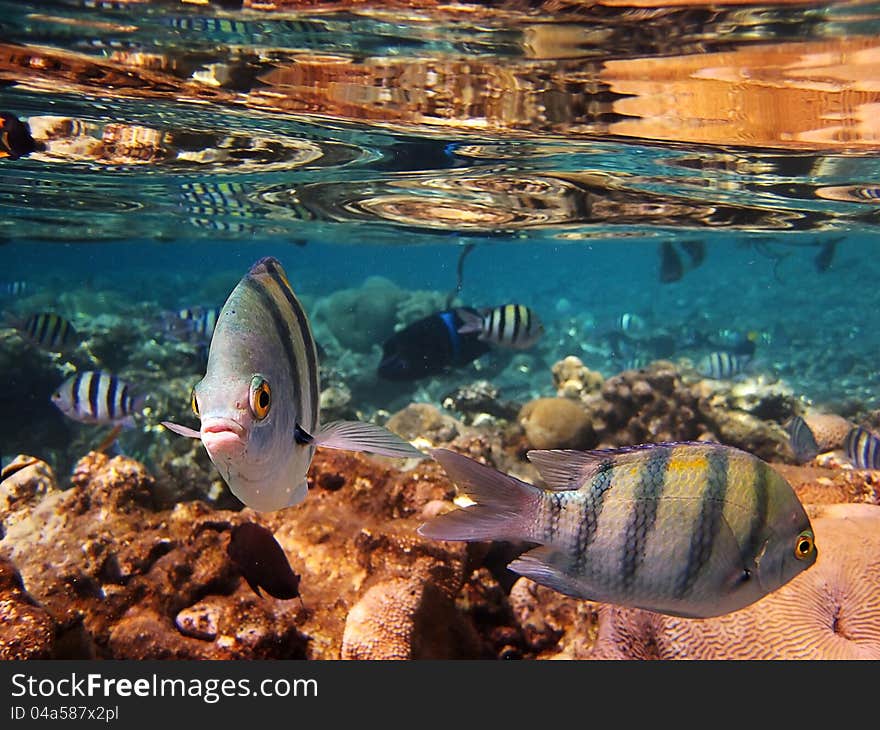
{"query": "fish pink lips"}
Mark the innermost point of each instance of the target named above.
(222, 435)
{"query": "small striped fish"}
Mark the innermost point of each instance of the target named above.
(259, 400)
(16, 288)
(192, 323)
(631, 323)
(862, 448)
(722, 365)
(511, 325)
(688, 529)
(98, 397)
(48, 331)
(803, 442)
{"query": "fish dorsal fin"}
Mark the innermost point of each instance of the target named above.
(271, 266)
(564, 469)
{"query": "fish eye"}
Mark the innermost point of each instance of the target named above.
(194, 402)
(804, 545)
(261, 397)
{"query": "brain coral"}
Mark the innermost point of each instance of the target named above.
(557, 423)
(831, 611)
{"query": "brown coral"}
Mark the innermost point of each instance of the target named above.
(828, 429)
(828, 612)
(573, 379)
(557, 423)
(26, 630)
(120, 577)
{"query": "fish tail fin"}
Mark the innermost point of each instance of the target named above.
(504, 510)
(360, 436)
(471, 322)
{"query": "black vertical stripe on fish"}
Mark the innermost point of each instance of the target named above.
(126, 400)
(646, 499)
(556, 506)
(759, 514)
(75, 392)
(41, 323)
(517, 323)
(282, 331)
(594, 501)
(111, 396)
(502, 323)
(305, 335)
(707, 523)
(94, 381)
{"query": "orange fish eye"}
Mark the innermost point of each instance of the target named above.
(804, 545)
(194, 402)
(261, 397)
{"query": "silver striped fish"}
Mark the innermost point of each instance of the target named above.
(98, 397)
(723, 365)
(512, 325)
(259, 400)
(191, 324)
(803, 442)
(862, 448)
(688, 529)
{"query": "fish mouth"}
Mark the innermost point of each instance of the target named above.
(223, 432)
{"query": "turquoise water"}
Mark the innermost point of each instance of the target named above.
(181, 143)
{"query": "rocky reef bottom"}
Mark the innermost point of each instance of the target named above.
(109, 569)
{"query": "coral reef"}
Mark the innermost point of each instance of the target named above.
(130, 578)
(828, 429)
(363, 317)
(557, 423)
(573, 379)
(478, 400)
(26, 631)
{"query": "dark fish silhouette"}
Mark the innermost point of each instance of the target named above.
(803, 442)
(696, 250)
(825, 257)
(671, 267)
(430, 346)
(262, 561)
(15, 137)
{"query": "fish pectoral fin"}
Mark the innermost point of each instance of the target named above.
(471, 322)
(546, 565)
(182, 430)
(300, 493)
(360, 436)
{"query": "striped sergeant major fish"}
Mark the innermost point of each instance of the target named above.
(16, 288)
(99, 398)
(723, 365)
(191, 323)
(803, 442)
(630, 322)
(48, 331)
(862, 448)
(259, 400)
(511, 325)
(693, 529)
